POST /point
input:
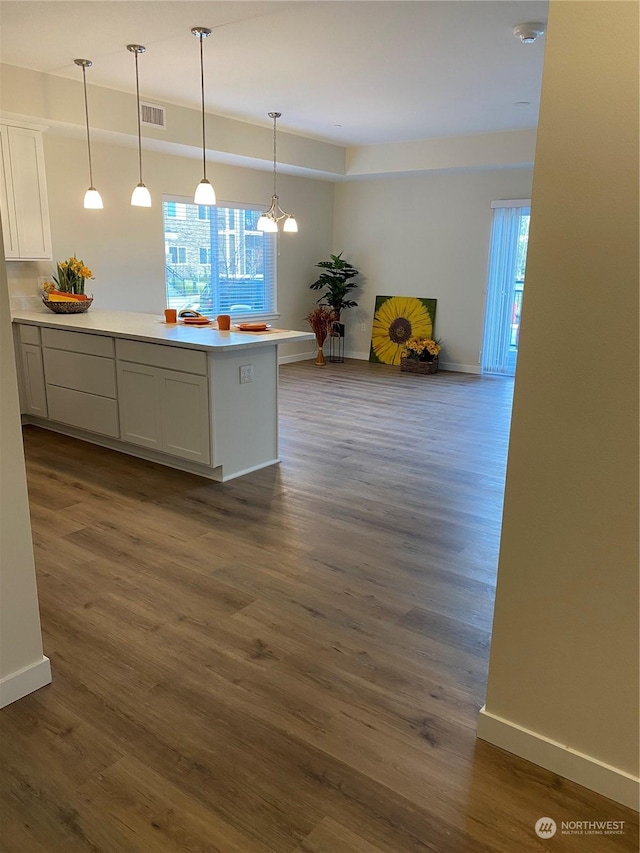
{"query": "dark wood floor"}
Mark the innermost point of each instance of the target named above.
(293, 661)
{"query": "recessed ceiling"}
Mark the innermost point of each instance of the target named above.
(353, 73)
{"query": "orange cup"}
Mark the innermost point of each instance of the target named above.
(224, 322)
(170, 315)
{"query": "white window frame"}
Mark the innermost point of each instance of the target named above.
(234, 205)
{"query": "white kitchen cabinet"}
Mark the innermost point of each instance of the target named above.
(34, 397)
(80, 376)
(139, 396)
(165, 410)
(23, 194)
(196, 399)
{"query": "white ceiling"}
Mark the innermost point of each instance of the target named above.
(350, 72)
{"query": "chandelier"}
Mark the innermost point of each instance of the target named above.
(269, 220)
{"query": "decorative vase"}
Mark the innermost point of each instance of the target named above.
(320, 362)
(411, 365)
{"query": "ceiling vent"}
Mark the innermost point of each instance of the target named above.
(153, 115)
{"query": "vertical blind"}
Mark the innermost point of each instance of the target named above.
(501, 285)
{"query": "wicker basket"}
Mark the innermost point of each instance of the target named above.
(78, 306)
(410, 365)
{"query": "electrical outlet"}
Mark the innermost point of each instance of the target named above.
(246, 373)
(363, 327)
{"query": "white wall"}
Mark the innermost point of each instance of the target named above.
(424, 235)
(563, 675)
(124, 246)
(22, 665)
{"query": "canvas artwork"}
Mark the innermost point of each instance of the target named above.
(395, 320)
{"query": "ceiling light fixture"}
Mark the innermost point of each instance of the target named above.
(269, 220)
(204, 194)
(140, 197)
(528, 33)
(92, 199)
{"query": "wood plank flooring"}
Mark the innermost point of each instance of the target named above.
(292, 662)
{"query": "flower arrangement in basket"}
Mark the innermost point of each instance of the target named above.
(420, 355)
(67, 295)
(321, 319)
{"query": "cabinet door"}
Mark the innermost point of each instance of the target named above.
(35, 397)
(7, 204)
(139, 398)
(184, 402)
(26, 154)
(23, 197)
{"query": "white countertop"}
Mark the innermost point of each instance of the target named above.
(152, 328)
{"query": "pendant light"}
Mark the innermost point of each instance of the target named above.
(269, 221)
(140, 197)
(204, 194)
(92, 199)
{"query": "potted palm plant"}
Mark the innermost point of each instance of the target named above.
(335, 280)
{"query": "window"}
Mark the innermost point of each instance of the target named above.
(507, 262)
(176, 210)
(177, 254)
(232, 265)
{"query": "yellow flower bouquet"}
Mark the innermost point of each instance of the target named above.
(421, 349)
(72, 275)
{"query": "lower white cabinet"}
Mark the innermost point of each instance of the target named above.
(33, 385)
(165, 410)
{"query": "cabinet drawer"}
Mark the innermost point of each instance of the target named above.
(29, 334)
(80, 372)
(86, 411)
(158, 355)
(78, 342)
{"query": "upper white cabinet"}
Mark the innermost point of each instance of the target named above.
(23, 194)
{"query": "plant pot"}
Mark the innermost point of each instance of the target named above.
(411, 365)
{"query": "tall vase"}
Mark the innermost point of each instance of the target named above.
(320, 362)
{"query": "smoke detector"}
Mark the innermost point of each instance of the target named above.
(528, 33)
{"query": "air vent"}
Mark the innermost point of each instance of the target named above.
(152, 115)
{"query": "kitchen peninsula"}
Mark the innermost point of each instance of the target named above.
(192, 398)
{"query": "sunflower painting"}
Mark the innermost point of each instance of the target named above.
(396, 319)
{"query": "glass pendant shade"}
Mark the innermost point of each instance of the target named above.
(290, 225)
(205, 193)
(141, 197)
(92, 199)
(265, 223)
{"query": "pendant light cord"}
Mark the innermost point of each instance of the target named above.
(204, 155)
(86, 113)
(139, 126)
(275, 119)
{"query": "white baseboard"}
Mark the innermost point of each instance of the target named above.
(364, 356)
(460, 368)
(297, 356)
(24, 681)
(584, 769)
